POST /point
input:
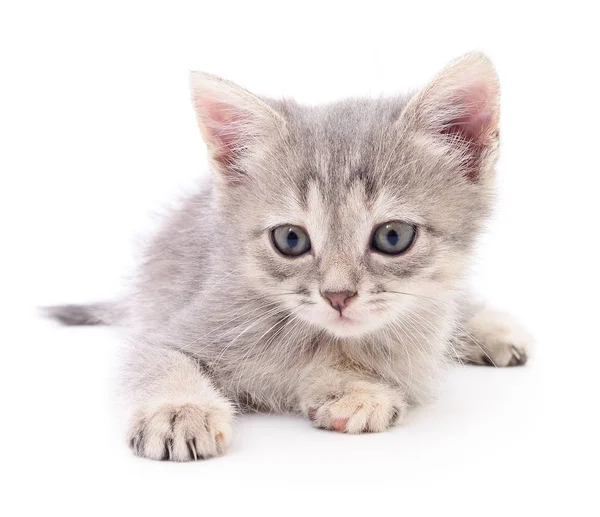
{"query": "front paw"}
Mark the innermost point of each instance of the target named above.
(358, 407)
(497, 340)
(180, 432)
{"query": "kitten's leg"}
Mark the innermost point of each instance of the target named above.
(343, 400)
(175, 412)
(493, 338)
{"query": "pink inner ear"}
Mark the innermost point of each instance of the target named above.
(222, 128)
(473, 128)
(231, 121)
(475, 123)
(475, 120)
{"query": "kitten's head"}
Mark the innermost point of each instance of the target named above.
(350, 214)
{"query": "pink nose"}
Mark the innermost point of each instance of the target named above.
(339, 301)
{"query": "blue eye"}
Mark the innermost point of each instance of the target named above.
(290, 240)
(394, 238)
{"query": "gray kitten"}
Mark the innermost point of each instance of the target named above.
(322, 268)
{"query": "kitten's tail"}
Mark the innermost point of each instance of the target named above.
(102, 313)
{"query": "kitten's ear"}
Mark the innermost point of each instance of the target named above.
(233, 122)
(461, 108)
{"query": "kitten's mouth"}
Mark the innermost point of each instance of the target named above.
(348, 323)
(344, 320)
(344, 325)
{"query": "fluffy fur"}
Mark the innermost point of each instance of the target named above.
(220, 321)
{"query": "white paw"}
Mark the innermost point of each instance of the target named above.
(498, 340)
(360, 407)
(180, 432)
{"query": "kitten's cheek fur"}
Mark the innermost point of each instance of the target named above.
(181, 432)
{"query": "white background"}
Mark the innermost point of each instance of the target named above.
(97, 132)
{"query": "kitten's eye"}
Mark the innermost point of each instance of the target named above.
(291, 240)
(394, 237)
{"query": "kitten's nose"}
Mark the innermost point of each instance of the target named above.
(339, 301)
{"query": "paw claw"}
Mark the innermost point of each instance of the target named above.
(515, 352)
(395, 415)
(192, 447)
(168, 450)
(519, 356)
(136, 444)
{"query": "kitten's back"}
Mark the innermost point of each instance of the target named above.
(177, 261)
